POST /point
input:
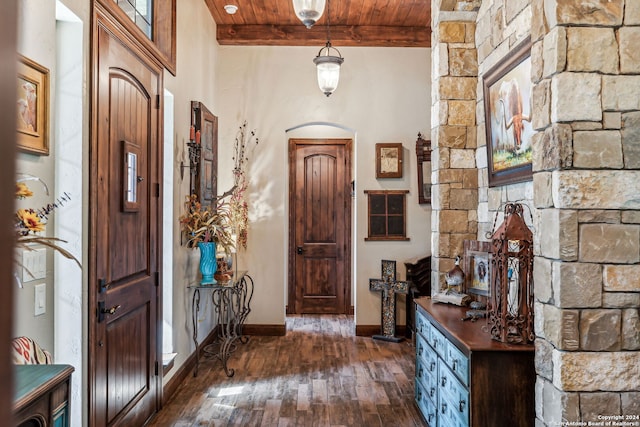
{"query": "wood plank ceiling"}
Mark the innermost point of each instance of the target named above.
(380, 23)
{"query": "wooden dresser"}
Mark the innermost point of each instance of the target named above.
(42, 395)
(464, 378)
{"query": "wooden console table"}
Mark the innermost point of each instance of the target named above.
(42, 395)
(231, 303)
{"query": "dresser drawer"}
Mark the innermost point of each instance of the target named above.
(447, 416)
(438, 342)
(428, 379)
(421, 347)
(458, 362)
(454, 392)
(427, 407)
(423, 326)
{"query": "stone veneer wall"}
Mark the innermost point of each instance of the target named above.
(453, 134)
(585, 194)
(586, 71)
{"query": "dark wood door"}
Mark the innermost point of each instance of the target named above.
(320, 224)
(125, 233)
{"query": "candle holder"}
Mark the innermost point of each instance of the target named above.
(194, 161)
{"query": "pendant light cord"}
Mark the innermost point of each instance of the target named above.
(328, 23)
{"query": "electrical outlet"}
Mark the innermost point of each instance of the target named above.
(34, 264)
(40, 292)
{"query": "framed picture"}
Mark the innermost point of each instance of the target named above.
(507, 108)
(388, 270)
(32, 123)
(477, 267)
(389, 160)
(386, 215)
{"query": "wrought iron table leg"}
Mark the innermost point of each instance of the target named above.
(195, 308)
(246, 296)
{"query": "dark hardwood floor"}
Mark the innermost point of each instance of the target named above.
(318, 374)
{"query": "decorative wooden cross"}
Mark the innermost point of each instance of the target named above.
(389, 288)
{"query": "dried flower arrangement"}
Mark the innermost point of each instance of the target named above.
(201, 225)
(29, 222)
(238, 206)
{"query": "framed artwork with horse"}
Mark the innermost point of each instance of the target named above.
(507, 106)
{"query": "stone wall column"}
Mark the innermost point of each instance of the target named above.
(453, 133)
(586, 163)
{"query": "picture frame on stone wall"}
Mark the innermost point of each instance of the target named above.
(508, 109)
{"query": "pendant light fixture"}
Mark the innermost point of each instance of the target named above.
(328, 65)
(308, 11)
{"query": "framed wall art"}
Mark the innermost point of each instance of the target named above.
(386, 215)
(477, 267)
(507, 108)
(32, 122)
(389, 160)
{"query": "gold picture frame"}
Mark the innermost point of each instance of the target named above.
(389, 160)
(32, 122)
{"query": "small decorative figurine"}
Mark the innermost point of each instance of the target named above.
(454, 280)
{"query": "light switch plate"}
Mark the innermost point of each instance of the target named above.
(40, 299)
(34, 262)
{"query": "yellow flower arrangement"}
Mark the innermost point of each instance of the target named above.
(28, 222)
(201, 225)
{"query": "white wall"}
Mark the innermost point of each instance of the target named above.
(383, 96)
(36, 41)
(62, 48)
(194, 81)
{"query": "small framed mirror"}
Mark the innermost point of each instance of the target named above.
(423, 153)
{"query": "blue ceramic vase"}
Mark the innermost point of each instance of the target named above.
(208, 264)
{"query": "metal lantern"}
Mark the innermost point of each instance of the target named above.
(511, 299)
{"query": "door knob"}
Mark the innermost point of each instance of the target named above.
(111, 310)
(299, 250)
(102, 310)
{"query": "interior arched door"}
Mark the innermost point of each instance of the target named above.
(320, 226)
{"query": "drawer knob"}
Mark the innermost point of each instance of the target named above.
(432, 366)
(444, 381)
(455, 363)
(420, 372)
(461, 406)
(420, 350)
(443, 408)
(432, 392)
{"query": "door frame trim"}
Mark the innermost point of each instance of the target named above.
(293, 143)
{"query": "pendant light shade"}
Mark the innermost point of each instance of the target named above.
(308, 11)
(328, 67)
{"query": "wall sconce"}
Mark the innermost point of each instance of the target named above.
(194, 156)
(511, 294)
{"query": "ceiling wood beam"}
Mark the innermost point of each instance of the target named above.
(341, 35)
